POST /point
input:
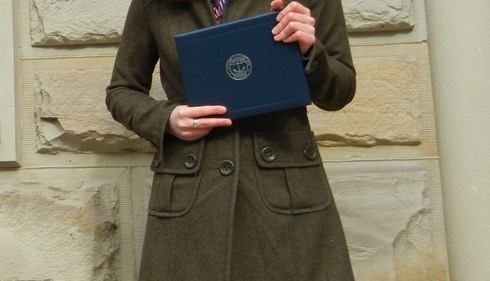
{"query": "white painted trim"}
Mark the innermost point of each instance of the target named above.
(9, 122)
(459, 49)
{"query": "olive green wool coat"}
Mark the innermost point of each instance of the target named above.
(246, 203)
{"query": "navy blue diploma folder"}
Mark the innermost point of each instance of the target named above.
(239, 65)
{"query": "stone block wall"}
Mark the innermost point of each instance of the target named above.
(76, 208)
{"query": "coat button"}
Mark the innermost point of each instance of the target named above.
(226, 168)
(268, 154)
(310, 152)
(190, 161)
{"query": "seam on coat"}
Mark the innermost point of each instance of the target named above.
(236, 151)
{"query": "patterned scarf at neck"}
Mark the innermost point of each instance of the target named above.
(219, 8)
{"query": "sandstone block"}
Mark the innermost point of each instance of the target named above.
(385, 110)
(61, 22)
(59, 230)
(378, 15)
(71, 114)
(386, 217)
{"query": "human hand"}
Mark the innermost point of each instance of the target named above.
(295, 23)
(192, 123)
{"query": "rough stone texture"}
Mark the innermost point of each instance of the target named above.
(61, 22)
(387, 101)
(71, 114)
(378, 15)
(60, 230)
(386, 220)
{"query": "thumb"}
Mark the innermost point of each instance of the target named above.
(277, 5)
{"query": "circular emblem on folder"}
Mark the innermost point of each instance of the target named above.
(238, 67)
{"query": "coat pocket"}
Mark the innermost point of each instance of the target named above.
(172, 195)
(289, 172)
(176, 179)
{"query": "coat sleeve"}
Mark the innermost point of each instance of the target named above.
(330, 71)
(127, 96)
